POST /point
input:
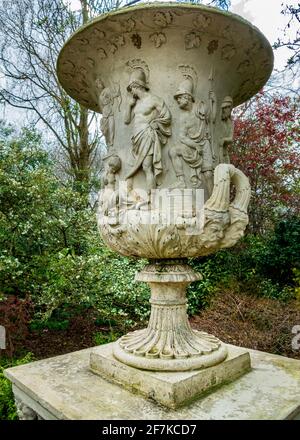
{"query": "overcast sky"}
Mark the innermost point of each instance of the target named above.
(266, 15)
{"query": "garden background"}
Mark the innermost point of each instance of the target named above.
(61, 288)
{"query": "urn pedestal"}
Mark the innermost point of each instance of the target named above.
(169, 343)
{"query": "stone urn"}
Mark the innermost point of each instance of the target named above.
(166, 77)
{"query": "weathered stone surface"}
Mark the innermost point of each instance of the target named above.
(165, 77)
(169, 343)
(170, 389)
(64, 388)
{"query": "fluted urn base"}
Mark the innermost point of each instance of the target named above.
(169, 343)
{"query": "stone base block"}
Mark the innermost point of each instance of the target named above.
(65, 388)
(172, 389)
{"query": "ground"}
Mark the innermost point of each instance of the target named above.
(240, 319)
(259, 323)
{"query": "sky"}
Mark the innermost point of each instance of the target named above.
(265, 14)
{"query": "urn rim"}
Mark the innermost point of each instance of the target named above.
(70, 44)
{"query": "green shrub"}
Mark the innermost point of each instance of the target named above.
(296, 273)
(268, 264)
(280, 253)
(273, 290)
(104, 338)
(101, 280)
(7, 404)
(50, 324)
(215, 269)
(49, 244)
(264, 266)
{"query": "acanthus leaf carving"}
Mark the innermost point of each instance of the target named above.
(224, 223)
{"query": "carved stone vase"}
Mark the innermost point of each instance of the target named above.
(166, 77)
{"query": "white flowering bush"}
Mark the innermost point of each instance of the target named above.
(49, 245)
(104, 281)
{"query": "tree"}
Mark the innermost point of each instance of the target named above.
(292, 12)
(286, 80)
(32, 34)
(222, 4)
(266, 149)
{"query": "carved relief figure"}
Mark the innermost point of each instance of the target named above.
(106, 97)
(113, 166)
(226, 129)
(194, 148)
(109, 195)
(151, 127)
(132, 198)
(214, 228)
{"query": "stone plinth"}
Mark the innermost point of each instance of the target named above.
(63, 387)
(170, 389)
